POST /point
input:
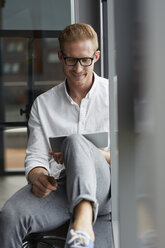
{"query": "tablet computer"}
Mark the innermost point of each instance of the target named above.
(99, 139)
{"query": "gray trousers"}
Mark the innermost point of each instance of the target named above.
(87, 177)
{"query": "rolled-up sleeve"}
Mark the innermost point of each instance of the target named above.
(37, 152)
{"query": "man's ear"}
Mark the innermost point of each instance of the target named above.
(97, 56)
(60, 55)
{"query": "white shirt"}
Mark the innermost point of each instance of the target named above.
(54, 113)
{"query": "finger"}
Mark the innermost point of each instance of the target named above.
(46, 183)
(40, 187)
(57, 153)
(55, 156)
(52, 181)
(39, 193)
(58, 157)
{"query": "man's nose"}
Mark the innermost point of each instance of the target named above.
(78, 67)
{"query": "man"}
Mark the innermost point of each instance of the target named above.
(78, 105)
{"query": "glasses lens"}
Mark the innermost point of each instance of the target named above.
(70, 61)
(83, 61)
(86, 61)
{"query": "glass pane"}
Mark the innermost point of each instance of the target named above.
(15, 142)
(14, 77)
(36, 15)
(15, 99)
(47, 67)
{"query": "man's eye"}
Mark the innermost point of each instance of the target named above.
(71, 60)
(85, 61)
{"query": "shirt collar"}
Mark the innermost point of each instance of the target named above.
(92, 90)
(66, 92)
(88, 95)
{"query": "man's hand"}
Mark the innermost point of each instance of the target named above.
(106, 155)
(57, 157)
(43, 184)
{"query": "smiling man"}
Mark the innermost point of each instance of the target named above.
(79, 73)
(78, 105)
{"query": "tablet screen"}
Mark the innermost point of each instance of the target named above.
(99, 139)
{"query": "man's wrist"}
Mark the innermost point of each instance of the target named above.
(36, 172)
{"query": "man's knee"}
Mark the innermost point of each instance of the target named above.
(72, 141)
(74, 138)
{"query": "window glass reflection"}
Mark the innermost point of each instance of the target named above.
(36, 15)
(14, 77)
(47, 67)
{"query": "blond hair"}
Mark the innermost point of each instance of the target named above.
(77, 32)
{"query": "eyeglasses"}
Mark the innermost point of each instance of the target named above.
(71, 61)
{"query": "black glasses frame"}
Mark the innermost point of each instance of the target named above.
(78, 59)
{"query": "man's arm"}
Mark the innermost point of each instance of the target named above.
(37, 155)
(42, 183)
